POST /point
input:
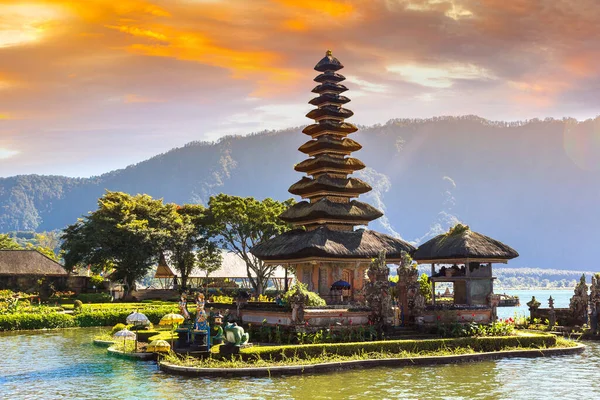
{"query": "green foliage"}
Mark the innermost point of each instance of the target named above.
(457, 229)
(127, 231)
(94, 297)
(113, 317)
(425, 287)
(21, 321)
(483, 344)
(240, 223)
(118, 327)
(474, 329)
(7, 243)
(77, 306)
(187, 240)
(314, 300)
(97, 280)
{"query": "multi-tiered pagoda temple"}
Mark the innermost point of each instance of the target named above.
(327, 247)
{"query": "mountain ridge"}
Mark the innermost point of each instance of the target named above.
(502, 178)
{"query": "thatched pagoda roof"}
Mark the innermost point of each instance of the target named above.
(329, 125)
(328, 63)
(329, 87)
(326, 243)
(326, 161)
(328, 142)
(330, 111)
(463, 243)
(326, 183)
(329, 98)
(327, 209)
(28, 262)
(329, 76)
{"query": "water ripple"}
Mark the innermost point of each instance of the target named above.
(63, 365)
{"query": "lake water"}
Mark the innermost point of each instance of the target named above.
(64, 365)
(561, 300)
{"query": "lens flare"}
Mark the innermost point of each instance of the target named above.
(581, 141)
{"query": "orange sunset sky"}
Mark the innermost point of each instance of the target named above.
(92, 85)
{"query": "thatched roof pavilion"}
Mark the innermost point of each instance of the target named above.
(21, 270)
(466, 259)
(462, 244)
(28, 263)
(326, 247)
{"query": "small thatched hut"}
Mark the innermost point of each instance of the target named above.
(29, 270)
(465, 259)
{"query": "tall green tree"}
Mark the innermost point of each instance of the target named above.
(8, 243)
(188, 241)
(127, 231)
(240, 223)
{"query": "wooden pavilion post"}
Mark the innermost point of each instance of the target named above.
(432, 284)
(468, 281)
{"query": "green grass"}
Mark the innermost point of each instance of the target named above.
(528, 340)
(267, 360)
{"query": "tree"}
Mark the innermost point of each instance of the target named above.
(127, 231)
(240, 223)
(188, 241)
(8, 243)
(209, 259)
(425, 287)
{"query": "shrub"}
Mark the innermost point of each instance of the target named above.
(77, 305)
(483, 344)
(95, 297)
(314, 300)
(21, 321)
(118, 327)
(97, 280)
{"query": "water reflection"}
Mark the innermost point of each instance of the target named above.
(64, 365)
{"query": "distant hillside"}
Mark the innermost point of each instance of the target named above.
(531, 184)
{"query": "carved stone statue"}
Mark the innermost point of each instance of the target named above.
(533, 305)
(183, 306)
(595, 302)
(409, 296)
(298, 301)
(494, 300)
(377, 292)
(579, 302)
(551, 313)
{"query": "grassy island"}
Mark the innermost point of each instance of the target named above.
(312, 354)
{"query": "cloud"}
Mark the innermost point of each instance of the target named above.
(381, 184)
(184, 69)
(7, 153)
(445, 219)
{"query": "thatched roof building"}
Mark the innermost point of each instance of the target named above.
(324, 243)
(462, 243)
(471, 255)
(326, 247)
(28, 263)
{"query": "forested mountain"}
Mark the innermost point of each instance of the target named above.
(534, 185)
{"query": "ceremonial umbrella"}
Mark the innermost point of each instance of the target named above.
(340, 285)
(125, 334)
(136, 318)
(159, 346)
(171, 319)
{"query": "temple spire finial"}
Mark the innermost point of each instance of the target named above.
(328, 53)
